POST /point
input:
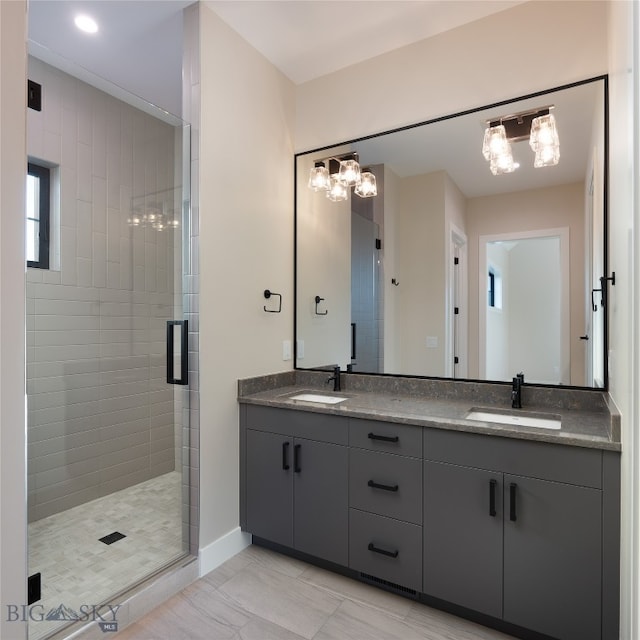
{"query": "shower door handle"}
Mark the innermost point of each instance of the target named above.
(184, 352)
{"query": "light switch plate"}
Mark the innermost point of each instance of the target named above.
(300, 349)
(286, 349)
(432, 342)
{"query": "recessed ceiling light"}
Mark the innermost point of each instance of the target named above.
(86, 24)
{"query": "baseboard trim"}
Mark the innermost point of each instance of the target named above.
(220, 550)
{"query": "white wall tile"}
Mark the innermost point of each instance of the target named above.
(84, 231)
(85, 183)
(99, 259)
(69, 140)
(93, 323)
(99, 203)
(84, 268)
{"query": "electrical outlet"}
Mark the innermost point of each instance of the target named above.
(300, 349)
(286, 349)
(432, 342)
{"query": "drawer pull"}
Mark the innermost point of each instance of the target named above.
(384, 552)
(296, 458)
(492, 498)
(285, 456)
(512, 501)
(384, 487)
(375, 436)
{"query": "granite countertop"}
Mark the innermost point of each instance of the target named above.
(586, 416)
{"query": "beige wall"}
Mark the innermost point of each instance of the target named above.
(624, 327)
(390, 266)
(13, 167)
(454, 71)
(246, 246)
(550, 208)
(420, 250)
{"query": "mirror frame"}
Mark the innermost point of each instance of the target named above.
(605, 79)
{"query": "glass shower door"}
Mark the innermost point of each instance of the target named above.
(107, 401)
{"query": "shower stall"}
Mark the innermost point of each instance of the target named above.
(107, 347)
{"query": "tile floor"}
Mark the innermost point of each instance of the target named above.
(262, 595)
(77, 569)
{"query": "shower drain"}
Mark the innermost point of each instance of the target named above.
(112, 537)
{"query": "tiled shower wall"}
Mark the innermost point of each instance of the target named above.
(100, 414)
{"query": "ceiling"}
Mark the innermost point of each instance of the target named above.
(139, 43)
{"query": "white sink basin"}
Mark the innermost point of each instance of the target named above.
(317, 397)
(522, 420)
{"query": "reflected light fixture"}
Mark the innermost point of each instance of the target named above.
(497, 150)
(544, 141)
(337, 191)
(337, 175)
(86, 23)
(537, 125)
(349, 173)
(367, 187)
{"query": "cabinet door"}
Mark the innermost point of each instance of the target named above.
(320, 500)
(270, 486)
(552, 558)
(463, 536)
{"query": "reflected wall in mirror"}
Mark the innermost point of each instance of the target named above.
(451, 271)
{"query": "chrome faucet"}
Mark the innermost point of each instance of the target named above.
(516, 391)
(335, 378)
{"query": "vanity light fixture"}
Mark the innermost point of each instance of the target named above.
(537, 125)
(338, 174)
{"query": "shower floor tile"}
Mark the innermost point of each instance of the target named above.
(78, 570)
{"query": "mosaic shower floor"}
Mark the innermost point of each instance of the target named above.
(79, 571)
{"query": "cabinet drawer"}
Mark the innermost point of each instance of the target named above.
(386, 484)
(389, 437)
(556, 462)
(301, 424)
(386, 548)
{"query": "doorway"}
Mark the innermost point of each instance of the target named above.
(524, 312)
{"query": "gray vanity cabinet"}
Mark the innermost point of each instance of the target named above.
(552, 558)
(294, 486)
(524, 549)
(269, 486)
(463, 510)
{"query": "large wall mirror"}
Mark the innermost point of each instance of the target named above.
(462, 266)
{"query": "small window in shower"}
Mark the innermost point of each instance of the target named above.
(38, 216)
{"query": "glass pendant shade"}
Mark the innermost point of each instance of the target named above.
(546, 157)
(367, 187)
(337, 191)
(502, 163)
(349, 173)
(544, 141)
(319, 177)
(495, 142)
